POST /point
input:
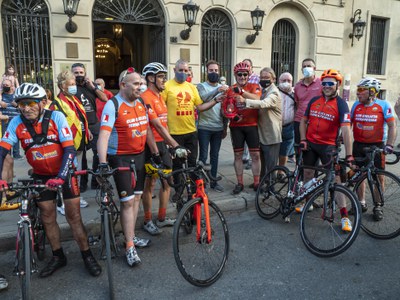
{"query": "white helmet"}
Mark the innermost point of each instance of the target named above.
(153, 69)
(29, 91)
(370, 82)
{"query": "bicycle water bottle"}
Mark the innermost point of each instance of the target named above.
(309, 183)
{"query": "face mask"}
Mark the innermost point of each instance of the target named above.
(180, 77)
(265, 83)
(72, 89)
(143, 87)
(213, 77)
(285, 86)
(80, 80)
(99, 86)
(6, 89)
(308, 72)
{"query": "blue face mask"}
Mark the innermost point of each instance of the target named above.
(72, 89)
(180, 77)
(308, 72)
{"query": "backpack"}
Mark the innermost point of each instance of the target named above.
(39, 138)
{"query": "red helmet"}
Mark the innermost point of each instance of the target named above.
(241, 67)
(332, 73)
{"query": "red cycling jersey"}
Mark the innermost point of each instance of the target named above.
(156, 103)
(325, 118)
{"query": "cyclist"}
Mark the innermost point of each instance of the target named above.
(324, 117)
(156, 76)
(123, 134)
(373, 125)
(50, 154)
(243, 125)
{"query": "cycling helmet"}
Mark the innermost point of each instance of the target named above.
(242, 66)
(153, 69)
(332, 73)
(370, 82)
(29, 91)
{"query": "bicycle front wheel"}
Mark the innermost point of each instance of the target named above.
(106, 224)
(201, 262)
(385, 193)
(272, 190)
(24, 260)
(320, 225)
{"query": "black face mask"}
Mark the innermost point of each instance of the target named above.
(80, 80)
(6, 89)
(265, 83)
(213, 77)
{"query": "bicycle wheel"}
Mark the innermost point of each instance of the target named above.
(272, 190)
(24, 260)
(106, 224)
(324, 236)
(385, 186)
(201, 263)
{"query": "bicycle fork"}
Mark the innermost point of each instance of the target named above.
(17, 270)
(200, 192)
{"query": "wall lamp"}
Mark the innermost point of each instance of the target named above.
(117, 31)
(70, 9)
(190, 10)
(257, 17)
(358, 26)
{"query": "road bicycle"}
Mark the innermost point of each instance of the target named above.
(381, 190)
(201, 236)
(280, 190)
(30, 234)
(109, 215)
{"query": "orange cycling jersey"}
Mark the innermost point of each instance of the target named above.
(369, 121)
(155, 102)
(324, 118)
(249, 116)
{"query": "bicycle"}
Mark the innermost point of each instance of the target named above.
(201, 236)
(382, 192)
(280, 190)
(109, 215)
(30, 234)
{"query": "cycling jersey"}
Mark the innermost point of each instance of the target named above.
(325, 118)
(129, 130)
(249, 116)
(181, 100)
(156, 103)
(370, 121)
(46, 159)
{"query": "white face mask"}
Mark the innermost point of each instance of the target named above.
(285, 86)
(143, 88)
(308, 72)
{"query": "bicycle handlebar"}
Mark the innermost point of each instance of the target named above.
(101, 173)
(397, 153)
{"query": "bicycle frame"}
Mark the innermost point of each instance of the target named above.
(200, 193)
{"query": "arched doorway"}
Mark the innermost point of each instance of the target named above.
(216, 37)
(26, 36)
(127, 33)
(283, 47)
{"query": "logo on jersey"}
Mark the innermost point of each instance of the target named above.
(66, 132)
(39, 156)
(136, 133)
(389, 111)
(346, 118)
(375, 109)
(106, 117)
(125, 112)
(6, 135)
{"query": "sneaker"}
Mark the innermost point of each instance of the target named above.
(346, 224)
(217, 188)
(61, 210)
(132, 257)
(166, 222)
(151, 228)
(378, 213)
(83, 203)
(141, 243)
(299, 208)
(3, 282)
(238, 189)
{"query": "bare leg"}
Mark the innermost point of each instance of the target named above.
(74, 218)
(49, 219)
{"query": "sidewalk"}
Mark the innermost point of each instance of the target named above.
(91, 218)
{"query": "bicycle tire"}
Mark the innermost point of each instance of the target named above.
(25, 258)
(271, 191)
(39, 237)
(200, 263)
(389, 226)
(325, 238)
(107, 243)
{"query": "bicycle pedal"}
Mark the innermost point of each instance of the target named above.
(9, 206)
(287, 219)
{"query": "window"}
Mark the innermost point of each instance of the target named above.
(376, 46)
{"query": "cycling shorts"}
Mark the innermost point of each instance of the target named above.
(358, 152)
(164, 153)
(317, 151)
(69, 192)
(242, 134)
(123, 180)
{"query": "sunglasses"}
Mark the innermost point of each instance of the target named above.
(130, 70)
(242, 74)
(162, 77)
(328, 83)
(361, 89)
(24, 104)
